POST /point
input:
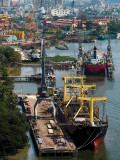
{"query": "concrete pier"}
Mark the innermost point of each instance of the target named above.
(48, 137)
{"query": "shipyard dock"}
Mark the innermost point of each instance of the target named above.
(47, 135)
(26, 78)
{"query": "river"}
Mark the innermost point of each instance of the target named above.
(109, 149)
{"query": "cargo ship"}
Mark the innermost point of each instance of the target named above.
(79, 115)
(94, 62)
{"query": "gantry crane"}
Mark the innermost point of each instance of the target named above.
(92, 100)
(81, 96)
(81, 85)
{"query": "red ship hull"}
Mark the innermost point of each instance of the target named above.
(94, 69)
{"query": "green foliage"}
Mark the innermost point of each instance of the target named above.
(99, 28)
(13, 124)
(114, 27)
(83, 16)
(89, 25)
(60, 58)
(94, 33)
(56, 18)
(8, 56)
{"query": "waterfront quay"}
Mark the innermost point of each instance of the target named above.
(48, 137)
(26, 78)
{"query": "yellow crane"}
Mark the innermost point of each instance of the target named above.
(72, 85)
(81, 96)
(81, 85)
(6, 18)
(92, 100)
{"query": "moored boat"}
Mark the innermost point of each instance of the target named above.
(94, 62)
(80, 116)
(112, 36)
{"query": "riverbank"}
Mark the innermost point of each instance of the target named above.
(110, 88)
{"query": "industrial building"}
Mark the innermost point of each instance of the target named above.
(50, 4)
(60, 12)
(4, 3)
(13, 2)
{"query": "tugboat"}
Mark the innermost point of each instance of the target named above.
(79, 115)
(94, 62)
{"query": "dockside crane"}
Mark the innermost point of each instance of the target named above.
(43, 90)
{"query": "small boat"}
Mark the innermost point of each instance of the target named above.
(62, 47)
(101, 37)
(118, 35)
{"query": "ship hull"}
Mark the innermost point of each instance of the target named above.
(84, 136)
(89, 137)
(94, 69)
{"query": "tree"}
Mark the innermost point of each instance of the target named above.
(114, 27)
(13, 124)
(99, 28)
(83, 16)
(94, 33)
(89, 25)
(8, 56)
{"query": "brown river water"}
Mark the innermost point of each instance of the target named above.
(110, 148)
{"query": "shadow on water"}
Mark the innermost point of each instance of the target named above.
(28, 153)
(98, 154)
